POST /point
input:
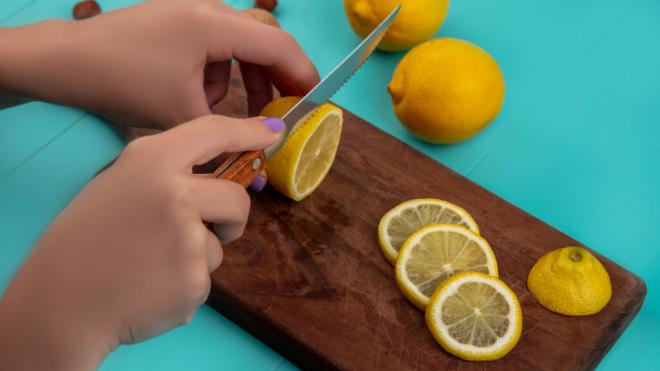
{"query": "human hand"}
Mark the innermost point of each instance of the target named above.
(156, 64)
(130, 257)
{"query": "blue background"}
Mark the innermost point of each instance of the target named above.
(576, 145)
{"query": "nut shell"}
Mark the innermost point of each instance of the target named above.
(268, 5)
(262, 16)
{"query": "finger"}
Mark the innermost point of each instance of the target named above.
(284, 87)
(259, 183)
(216, 81)
(197, 108)
(257, 43)
(214, 252)
(202, 139)
(225, 204)
(257, 86)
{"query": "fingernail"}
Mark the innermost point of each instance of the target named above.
(258, 184)
(274, 124)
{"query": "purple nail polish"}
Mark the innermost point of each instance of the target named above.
(274, 124)
(258, 184)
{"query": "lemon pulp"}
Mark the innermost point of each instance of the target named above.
(436, 252)
(306, 156)
(475, 316)
(404, 219)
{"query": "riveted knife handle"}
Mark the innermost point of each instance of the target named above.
(242, 167)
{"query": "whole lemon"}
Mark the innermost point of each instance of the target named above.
(447, 90)
(417, 21)
(570, 281)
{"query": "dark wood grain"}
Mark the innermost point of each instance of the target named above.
(309, 279)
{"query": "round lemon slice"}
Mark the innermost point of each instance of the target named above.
(400, 222)
(304, 160)
(435, 252)
(475, 316)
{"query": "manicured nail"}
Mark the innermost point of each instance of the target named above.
(258, 184)
(274, 124)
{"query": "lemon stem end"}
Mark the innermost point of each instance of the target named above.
(575, 256)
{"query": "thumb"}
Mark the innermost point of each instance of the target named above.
(204, 138)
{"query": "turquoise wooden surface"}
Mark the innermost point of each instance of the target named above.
(576, 146)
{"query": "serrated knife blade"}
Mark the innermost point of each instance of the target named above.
(332, 82)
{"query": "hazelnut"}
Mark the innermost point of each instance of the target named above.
(86, 9)
(265, 4)
(262, 16)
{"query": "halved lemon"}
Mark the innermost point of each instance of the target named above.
(407, 217)
(435, 252)
(475, 316)
(304, 160)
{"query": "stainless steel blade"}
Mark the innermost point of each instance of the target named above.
(331, 83)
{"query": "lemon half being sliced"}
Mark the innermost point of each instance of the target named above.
(400, 222)
(435, 252)
(304, 160)
(475, 316)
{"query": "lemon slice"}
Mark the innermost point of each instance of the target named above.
(475, 316)
(304, 160)
(400, 222)
(435, 252)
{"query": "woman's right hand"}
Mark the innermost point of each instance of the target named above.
(130, 257)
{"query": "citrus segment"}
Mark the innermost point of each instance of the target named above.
(435, 252)
(475, 316)
(404, 219)
(306, 156)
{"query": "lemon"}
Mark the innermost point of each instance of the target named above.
(446, 90)
(417, 21)
(434, 253)
(304, 160)
(570, 281)
(475, 316)
(279, 107)
(404, 219)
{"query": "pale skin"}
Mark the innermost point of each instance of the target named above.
(130, 257)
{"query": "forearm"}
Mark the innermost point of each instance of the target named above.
(42, 329)
(31, 59)
(42, 345)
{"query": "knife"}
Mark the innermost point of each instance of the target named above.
(245, 166)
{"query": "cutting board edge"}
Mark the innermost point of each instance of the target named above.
(288, 342)
(285, 343)
(496, 196)
(268, 332)
(633, 307)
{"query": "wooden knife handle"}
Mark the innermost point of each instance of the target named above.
(241, 168)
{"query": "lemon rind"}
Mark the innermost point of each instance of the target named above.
(409, 290)
(465, 351)
(284, 181)
(326, 112)
(390, 253)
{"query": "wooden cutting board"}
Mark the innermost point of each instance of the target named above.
(309, 279)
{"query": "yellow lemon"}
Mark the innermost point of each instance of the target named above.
(399, 223)
(570, 281)
(447, 90)
(475, 316)
(417, 21)
(304, 160)
(434, 253)
(279, 107)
